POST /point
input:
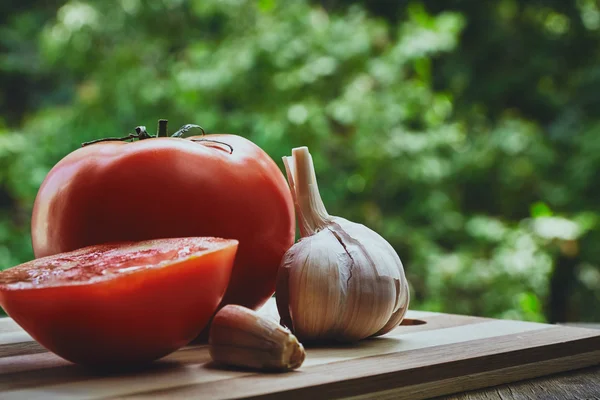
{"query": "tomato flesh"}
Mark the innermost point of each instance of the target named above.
(120, 304)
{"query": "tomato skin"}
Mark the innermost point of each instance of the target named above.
(127, 320)
(170, 187)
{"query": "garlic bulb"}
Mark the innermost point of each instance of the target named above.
(341, 281)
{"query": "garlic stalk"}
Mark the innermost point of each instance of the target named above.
(341, 281)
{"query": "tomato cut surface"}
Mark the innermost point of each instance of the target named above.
(120, 304)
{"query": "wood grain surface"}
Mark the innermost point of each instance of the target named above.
(447, 354)
(578, 385)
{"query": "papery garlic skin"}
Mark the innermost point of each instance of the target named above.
(342, 281)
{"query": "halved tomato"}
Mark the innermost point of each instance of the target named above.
(120, 304)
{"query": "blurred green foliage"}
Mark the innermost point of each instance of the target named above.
(463, 131)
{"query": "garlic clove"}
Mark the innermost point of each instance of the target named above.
(313, 294)
(282, 293)
(241, 337)
(399, 314)
(372, 290)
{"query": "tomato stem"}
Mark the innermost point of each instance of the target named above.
(184, 129)
(130, 136)
(162, 131)
(162, 128)
(140, 133)
(215, 141)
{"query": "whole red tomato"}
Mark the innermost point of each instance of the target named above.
(223, 186)
(120, 304)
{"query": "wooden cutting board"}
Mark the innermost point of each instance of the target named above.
(445, 354)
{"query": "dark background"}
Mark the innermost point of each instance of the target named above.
(465, 132)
